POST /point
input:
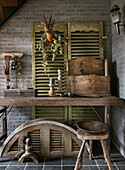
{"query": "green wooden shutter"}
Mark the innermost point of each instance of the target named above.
(85, 39)
(41, 79)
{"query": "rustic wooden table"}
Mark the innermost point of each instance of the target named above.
(66, 101)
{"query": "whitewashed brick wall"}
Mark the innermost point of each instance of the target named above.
(16, 36)
(118, 57)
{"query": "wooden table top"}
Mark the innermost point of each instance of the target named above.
(60, 101)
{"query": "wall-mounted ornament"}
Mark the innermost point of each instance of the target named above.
(14, 66)
(50, 42)
(116, 18)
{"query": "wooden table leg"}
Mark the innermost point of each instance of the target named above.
(78, 164)
(90, 149)
(106, 155)
(107, 121)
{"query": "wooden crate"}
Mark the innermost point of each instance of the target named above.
(85, 65)
(89, 85)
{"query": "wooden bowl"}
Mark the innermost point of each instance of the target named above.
(92, 126)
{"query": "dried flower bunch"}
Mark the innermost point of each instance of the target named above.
(45, 47)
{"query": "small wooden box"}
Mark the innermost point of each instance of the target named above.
(19, 93)
(89, 85)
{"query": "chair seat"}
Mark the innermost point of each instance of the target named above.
(87, 136)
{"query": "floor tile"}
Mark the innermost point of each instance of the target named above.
(86, 161)
(106, 168)
(15, 162)
(118, 160)
(90, 168)
(5, 161)
(67, 168)
(2, 167)
(121, 167)
(15, 167)
(33, 167)
(65, 163)
(53, 161)
(69, 161)
(100, 160)
(35, 164)
(52, 167)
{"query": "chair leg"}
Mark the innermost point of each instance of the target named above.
(106, 155)
(78, 164)
(90, 149)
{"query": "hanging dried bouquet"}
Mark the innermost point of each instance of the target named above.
(55, 47)
(50, 42)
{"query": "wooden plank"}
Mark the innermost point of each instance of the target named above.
(12, 55)
(85, 65)
(8, 3)
(89, 84)
(1, 11)
(61, 101)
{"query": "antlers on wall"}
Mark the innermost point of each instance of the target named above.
(48, 28)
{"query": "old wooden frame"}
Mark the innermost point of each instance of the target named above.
(42, 133)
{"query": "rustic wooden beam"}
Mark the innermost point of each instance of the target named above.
(12, 55)
(9, 3)
(60, 101)
(1, 11)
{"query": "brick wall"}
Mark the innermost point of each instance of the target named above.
(16, 36)
(118, 60)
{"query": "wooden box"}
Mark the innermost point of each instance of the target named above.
(89, 85)
(85, 65)
(19, 93)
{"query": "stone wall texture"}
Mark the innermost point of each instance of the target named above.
(16, 36)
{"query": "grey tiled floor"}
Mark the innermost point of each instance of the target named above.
(63, 163)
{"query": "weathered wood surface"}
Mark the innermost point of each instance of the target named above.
(12, 55)
(90, 136)
(89, 84)
(48, 138)
(85, 65)
(61, 101)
